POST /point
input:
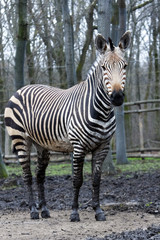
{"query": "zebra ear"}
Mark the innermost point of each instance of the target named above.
(101, 43)
(125, 41)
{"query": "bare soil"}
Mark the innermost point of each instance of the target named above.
(131, 203)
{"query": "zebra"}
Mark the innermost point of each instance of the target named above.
(79, 119)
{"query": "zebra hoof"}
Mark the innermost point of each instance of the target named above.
(45, 214)
(100, 216)
(34, 215)
(74, 217)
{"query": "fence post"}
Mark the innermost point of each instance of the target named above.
(3, 170)
(7, 143)
(140, 123)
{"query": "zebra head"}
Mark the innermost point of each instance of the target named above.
(113, 66)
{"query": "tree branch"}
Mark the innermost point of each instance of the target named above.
(141, 5)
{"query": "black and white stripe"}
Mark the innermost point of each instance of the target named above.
(79, 119)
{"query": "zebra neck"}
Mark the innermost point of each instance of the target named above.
(95, 82)
(100, 102)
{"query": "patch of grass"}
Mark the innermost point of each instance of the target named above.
(59, 169)
(135, 165)
(14, 169)
(148, 204)
(138, 165)
(53, 169)
(65, 169)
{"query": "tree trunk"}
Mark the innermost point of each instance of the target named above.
(155, 26)
(59, 40)
(89, 36)
(155, 53)
(2, 68)
(119, 111)
(48, 44)
(30, 64)
(104, 9)
(3, 170)
(69, 45)
(21, 44)
(150, 69)
(115, 22)
(137, 69)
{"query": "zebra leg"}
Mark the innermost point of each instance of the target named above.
(77, 183)
(24, 159)
(42, 163)
(97, 161)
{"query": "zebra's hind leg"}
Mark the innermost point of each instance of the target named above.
(77, 183)
(42, 163)
(24, 159)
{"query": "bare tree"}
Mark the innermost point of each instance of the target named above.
(119, 111)
(3, 170)
(69, 44)
(58, 40)
(2, 65)
(156, 31)
(104, 9)
(115, 22)
(30, 62)
(46, 38)
(89, 36)
(21, 43)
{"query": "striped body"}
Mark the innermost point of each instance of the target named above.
(79, 120)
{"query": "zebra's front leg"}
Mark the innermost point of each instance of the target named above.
(97, 161)
(43, 160)
(77, 183)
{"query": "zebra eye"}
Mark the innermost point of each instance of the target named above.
(125, 65)
(103, 67)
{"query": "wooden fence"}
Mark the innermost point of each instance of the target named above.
(140, 152)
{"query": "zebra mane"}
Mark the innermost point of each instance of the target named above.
(111, 44)
(95, 64)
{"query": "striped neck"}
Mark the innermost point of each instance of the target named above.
(95, 81)
(99, 103)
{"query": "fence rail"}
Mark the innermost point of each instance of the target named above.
(56, 157)
(142, 102)
(65, 158)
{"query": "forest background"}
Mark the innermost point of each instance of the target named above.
(56, 40)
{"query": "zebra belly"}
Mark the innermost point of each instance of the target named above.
(61, 146)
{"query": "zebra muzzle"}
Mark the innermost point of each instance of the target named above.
(117, 97)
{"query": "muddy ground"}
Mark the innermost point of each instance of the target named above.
(131, 203)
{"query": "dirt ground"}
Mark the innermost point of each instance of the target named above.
(131, 203)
